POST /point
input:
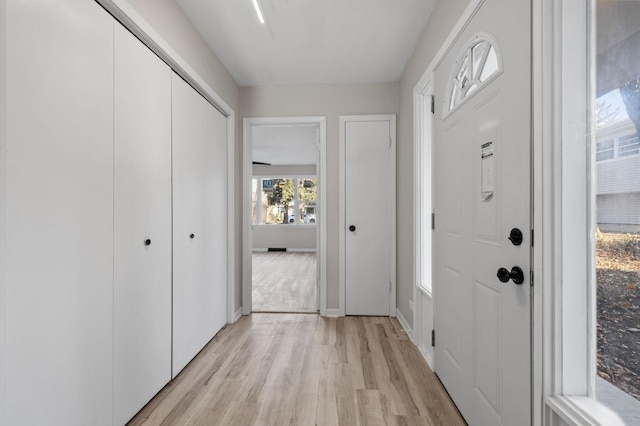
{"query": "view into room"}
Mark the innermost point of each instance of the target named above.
(284, 216)
(616, 187)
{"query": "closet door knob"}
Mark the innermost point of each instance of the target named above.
(147, 242)
(192, 236)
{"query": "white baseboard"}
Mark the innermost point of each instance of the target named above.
(333, 313)
(259, 250)
(405, 325)
(237, 314)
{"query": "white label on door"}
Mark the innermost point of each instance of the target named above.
(487, 171)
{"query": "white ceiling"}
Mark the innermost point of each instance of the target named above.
(285, 145)
(311, 41)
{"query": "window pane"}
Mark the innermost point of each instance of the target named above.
(605, 150)
(628, 145)
(490, 66)
(308, 197)
(617, 193)
(254, 201)
(479, 52)
(278, 201)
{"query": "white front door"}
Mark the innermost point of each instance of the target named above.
(482, 144)
(369, 205)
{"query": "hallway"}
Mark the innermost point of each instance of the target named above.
(277, 369)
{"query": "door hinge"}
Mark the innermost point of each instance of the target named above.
(433, 338)
(433, 221)
(532, 238)
(389, 286)
(531, 277)
(433, 104)
(389, 142)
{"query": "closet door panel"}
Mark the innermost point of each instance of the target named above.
(142, 222)
(216, 208)
(59, 217)
(192, 295)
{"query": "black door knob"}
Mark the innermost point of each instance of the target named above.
(515, 237)
(192, 236)
(516, 274)
(352, 228)
(147, 242)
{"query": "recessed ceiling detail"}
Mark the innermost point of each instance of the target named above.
(311, 41)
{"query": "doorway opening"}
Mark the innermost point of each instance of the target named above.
(284, 235)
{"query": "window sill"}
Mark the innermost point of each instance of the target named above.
(582, 410)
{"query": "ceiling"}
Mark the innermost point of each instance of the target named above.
(311, 41)
(285, 145)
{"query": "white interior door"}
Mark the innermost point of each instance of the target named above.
(369, 205)
(482, 191)
(142, 225)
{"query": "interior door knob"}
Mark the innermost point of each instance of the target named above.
(147, 242)
(352, 228)
(192, 236)
(516, 274)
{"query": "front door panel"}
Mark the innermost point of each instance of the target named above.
(482, 190)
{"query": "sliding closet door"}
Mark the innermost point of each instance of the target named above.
(142, 222)
(59, 217)
(199, 224)
(216, 223)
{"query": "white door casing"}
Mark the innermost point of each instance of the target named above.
(247, 226)
(482, 325)
(367, 225)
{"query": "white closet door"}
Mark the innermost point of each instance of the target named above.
(216, 218)
(59, 217)
(142, 222)
(199, 224)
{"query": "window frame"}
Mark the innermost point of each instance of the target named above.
(296, 178)
(465, 54)
(565, 322)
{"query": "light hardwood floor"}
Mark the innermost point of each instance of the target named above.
(284, 282)
(297, 369)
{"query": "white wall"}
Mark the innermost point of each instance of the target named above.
(171, 23)
(330, 101)
(442, 20)
(284, 236)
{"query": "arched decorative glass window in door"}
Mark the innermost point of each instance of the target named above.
(478, 63)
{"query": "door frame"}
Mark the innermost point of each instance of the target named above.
(321, 224)
(424, 311)
(344, 119)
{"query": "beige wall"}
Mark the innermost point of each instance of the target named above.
(443, 19)
(330, 101)
(168, 20)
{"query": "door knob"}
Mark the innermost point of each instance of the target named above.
(147, 242)
(515, 237)
(516, 274)
(352, 228)
(192, 236)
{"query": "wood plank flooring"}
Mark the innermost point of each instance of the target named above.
(300, 369)
(284, 282)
